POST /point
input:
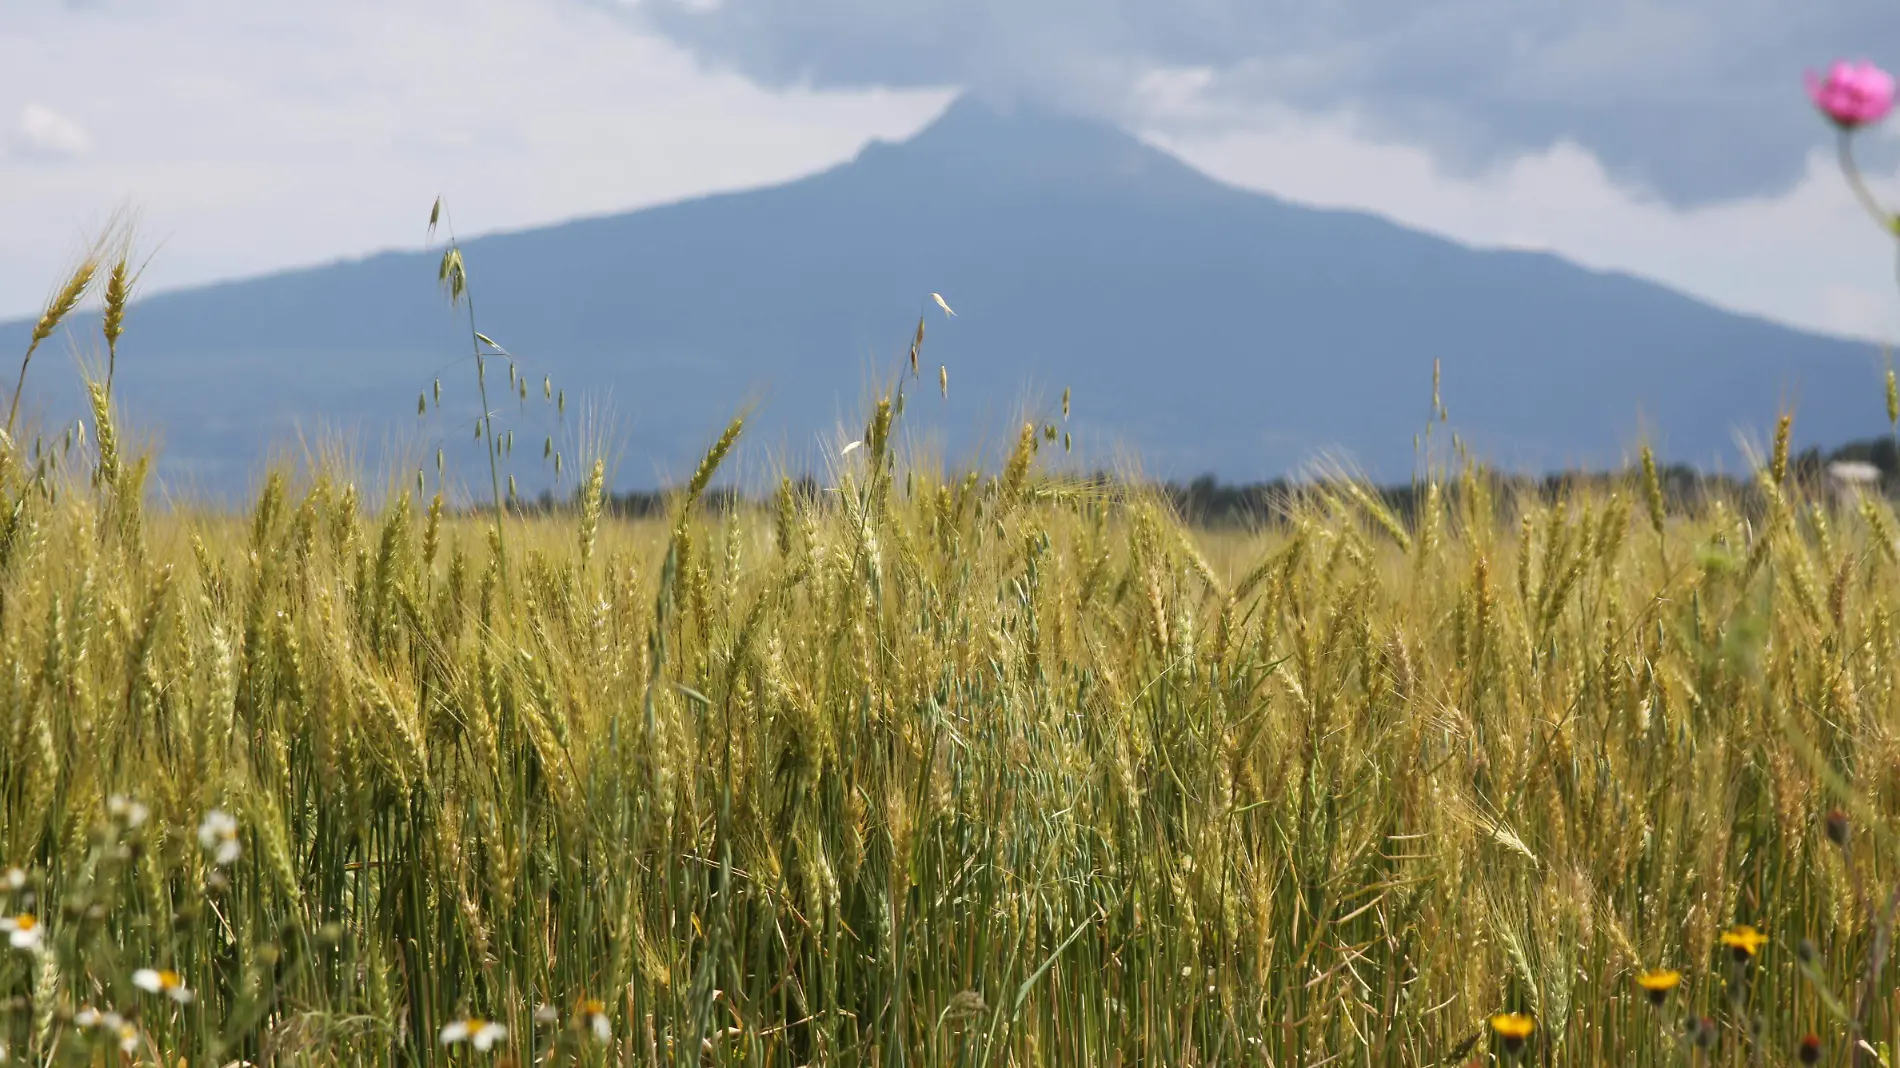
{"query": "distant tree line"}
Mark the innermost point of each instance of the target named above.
(1207, 501)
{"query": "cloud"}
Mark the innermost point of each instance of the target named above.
(1695, 100)
(253, 137)
(256, 136)
(46, 134)
(1806, 255)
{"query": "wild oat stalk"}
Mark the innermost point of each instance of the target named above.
(452, 274)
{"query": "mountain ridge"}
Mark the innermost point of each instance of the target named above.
(1077, 256)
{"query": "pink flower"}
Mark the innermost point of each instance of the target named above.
(1852, 94)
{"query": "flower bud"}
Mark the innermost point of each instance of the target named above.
(1852, 95)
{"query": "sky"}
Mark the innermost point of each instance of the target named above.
(1667, 138)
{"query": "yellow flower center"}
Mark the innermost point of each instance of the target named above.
(1745, 940)
(1659, 980)
(1514, 1025)
(25, 922)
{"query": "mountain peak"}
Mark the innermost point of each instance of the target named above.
(971, 117)
(1205, 328)
(976, 139)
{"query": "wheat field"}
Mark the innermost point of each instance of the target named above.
(940, 768)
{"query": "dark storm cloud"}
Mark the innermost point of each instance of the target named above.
(1696, 99)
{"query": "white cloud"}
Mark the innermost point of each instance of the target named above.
(1807, 256)
(256, 136)
(45, 133)
(1656, 89)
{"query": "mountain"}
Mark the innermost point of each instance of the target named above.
(1201, 327)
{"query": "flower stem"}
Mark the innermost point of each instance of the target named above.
(1887, 220)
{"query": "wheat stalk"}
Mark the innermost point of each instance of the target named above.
(58, 307)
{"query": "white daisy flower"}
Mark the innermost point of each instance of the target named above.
(88, 1018)
(593, 1016)
(23, 931)
(127, 811)
(162, 981)
(218, 834)
(13, 880)
(128, 1037)
(484, 1035)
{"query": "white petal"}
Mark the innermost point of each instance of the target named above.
(218, 826)
(147, 980)
(603, 1028)
(455, 1032)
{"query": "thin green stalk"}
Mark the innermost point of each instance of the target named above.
(1844, 147)
(488, 432)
